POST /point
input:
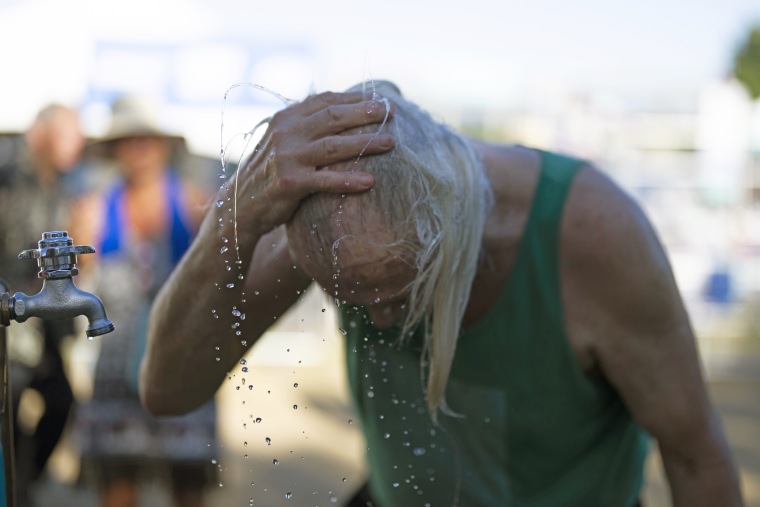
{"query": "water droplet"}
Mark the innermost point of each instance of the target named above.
(288, 495)
(230, 285)
(258, 419)
(395, 484)
(268, 441)
(223, 249)
(219, 203)
(275, 461)
(419, 451)
(295, 385)
(295, 407)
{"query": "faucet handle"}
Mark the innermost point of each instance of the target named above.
(56, 255)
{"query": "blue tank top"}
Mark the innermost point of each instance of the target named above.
(115, 222)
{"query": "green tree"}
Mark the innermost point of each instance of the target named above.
(747, 63)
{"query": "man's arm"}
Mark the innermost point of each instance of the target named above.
(622, 301)
(192, 339)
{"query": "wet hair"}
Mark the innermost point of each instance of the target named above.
(432, 196)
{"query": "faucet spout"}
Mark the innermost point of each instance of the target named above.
(59, 297)
(62, 299)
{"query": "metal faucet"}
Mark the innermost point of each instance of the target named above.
(59, 298)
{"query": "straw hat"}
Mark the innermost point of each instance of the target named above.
(132, 116)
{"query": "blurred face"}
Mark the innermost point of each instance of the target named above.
(64, 141)
(362, 274)
(142, 157)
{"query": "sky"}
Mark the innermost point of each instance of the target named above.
(472, 53)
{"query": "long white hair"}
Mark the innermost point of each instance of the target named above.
(434, 197)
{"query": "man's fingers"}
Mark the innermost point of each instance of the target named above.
(314, 103)
(333, 149)
(327, 180)
(340, 117)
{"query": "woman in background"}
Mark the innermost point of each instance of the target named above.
(140, 228)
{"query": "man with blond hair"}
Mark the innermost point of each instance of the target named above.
(513, 329)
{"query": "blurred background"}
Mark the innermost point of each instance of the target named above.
(663, 96)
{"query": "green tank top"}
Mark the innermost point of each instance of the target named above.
(532, 429)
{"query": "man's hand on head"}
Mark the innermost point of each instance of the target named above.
(294, 156)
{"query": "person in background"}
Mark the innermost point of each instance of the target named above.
(37, 184)
(140, 227)
(514, 334)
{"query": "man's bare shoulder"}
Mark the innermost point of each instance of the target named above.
(602, 222)
(611, 255)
